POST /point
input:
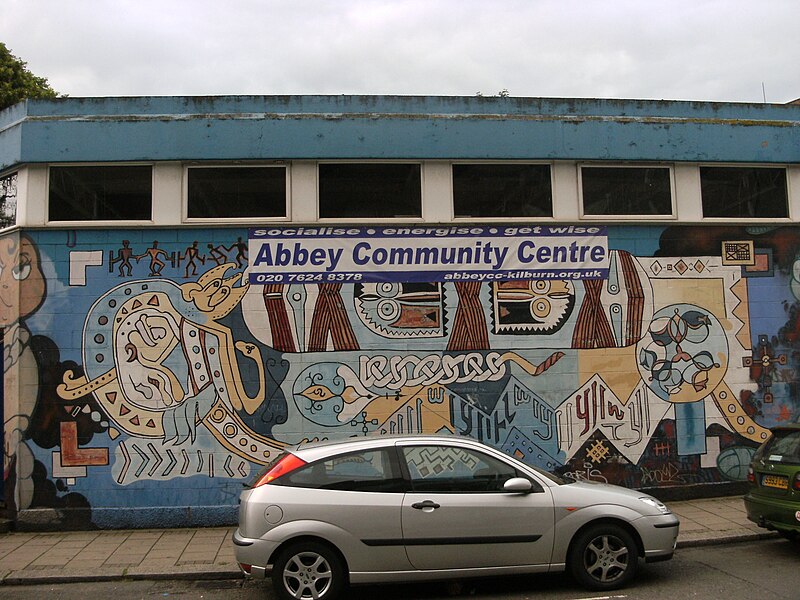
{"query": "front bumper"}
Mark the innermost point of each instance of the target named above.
(660, 537)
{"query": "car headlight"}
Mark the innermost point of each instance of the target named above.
(657, 504)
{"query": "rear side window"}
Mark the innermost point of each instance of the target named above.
(782, 447)
(368, 471)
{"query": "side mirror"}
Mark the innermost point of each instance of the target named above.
(518, 485)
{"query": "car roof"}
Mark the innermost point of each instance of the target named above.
(315, 450)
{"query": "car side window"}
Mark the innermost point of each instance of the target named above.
(452, 469)
(367, 471)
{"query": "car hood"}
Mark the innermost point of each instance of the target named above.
(589, 493)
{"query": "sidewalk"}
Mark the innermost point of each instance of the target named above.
(28, 558)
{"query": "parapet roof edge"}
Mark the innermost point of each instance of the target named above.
(210, 128)
(109, 106)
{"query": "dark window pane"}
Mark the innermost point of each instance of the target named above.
(364, 191)
(783, 446)
(100, 193)
(626, 191)
(509, 190)
(231, 192)
(369, 471)
(744, 192)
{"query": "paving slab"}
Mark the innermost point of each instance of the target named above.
(207, 553)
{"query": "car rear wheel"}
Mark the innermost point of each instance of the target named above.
(308, 570)
(604, 557)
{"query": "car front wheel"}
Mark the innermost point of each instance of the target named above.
(604, 557)
(308, 570)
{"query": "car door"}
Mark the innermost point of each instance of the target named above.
(458, 516)
(355, 497)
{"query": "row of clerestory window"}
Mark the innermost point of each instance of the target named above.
(393, 190)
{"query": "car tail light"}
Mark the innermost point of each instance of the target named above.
(796, 482)
(286, 465)
(751, 476)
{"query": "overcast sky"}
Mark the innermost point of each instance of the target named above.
(715, 50)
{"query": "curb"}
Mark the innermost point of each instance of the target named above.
(727, 539)
(14, 579)
(38, 578)
(205, 573)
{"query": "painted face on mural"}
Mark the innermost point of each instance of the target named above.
(213, 294)
(401, 309)
(22, 283)
(533, 307)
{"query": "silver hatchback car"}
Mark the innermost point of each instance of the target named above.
(400, 509)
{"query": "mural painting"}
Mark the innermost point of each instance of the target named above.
(146, 378)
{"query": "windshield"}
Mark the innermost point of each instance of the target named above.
(551, 476)
(783, 447)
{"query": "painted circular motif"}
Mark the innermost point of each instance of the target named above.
(317, 392)
(684, 354)
(734, 462)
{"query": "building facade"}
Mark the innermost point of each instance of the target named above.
(609, 290)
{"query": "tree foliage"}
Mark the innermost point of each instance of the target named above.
(17, 83)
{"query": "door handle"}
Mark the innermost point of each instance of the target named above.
(425, 504)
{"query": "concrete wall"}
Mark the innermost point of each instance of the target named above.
(145, 382)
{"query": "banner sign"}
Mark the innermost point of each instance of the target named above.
(426, 253)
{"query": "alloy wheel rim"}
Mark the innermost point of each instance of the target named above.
(606, 558)
(307, 575)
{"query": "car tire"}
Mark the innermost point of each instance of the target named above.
(603, 557)
(308, 570)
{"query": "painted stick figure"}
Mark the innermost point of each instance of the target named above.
(241, 251)
(216, 254)
(156, 264)
(191, 255)
(124, 256)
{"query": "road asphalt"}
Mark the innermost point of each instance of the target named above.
(28, 558)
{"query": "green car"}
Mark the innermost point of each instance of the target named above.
(773, 501)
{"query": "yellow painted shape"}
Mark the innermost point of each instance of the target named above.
(742, 312)
(617, 367)
(707, 293)
(736, 417)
